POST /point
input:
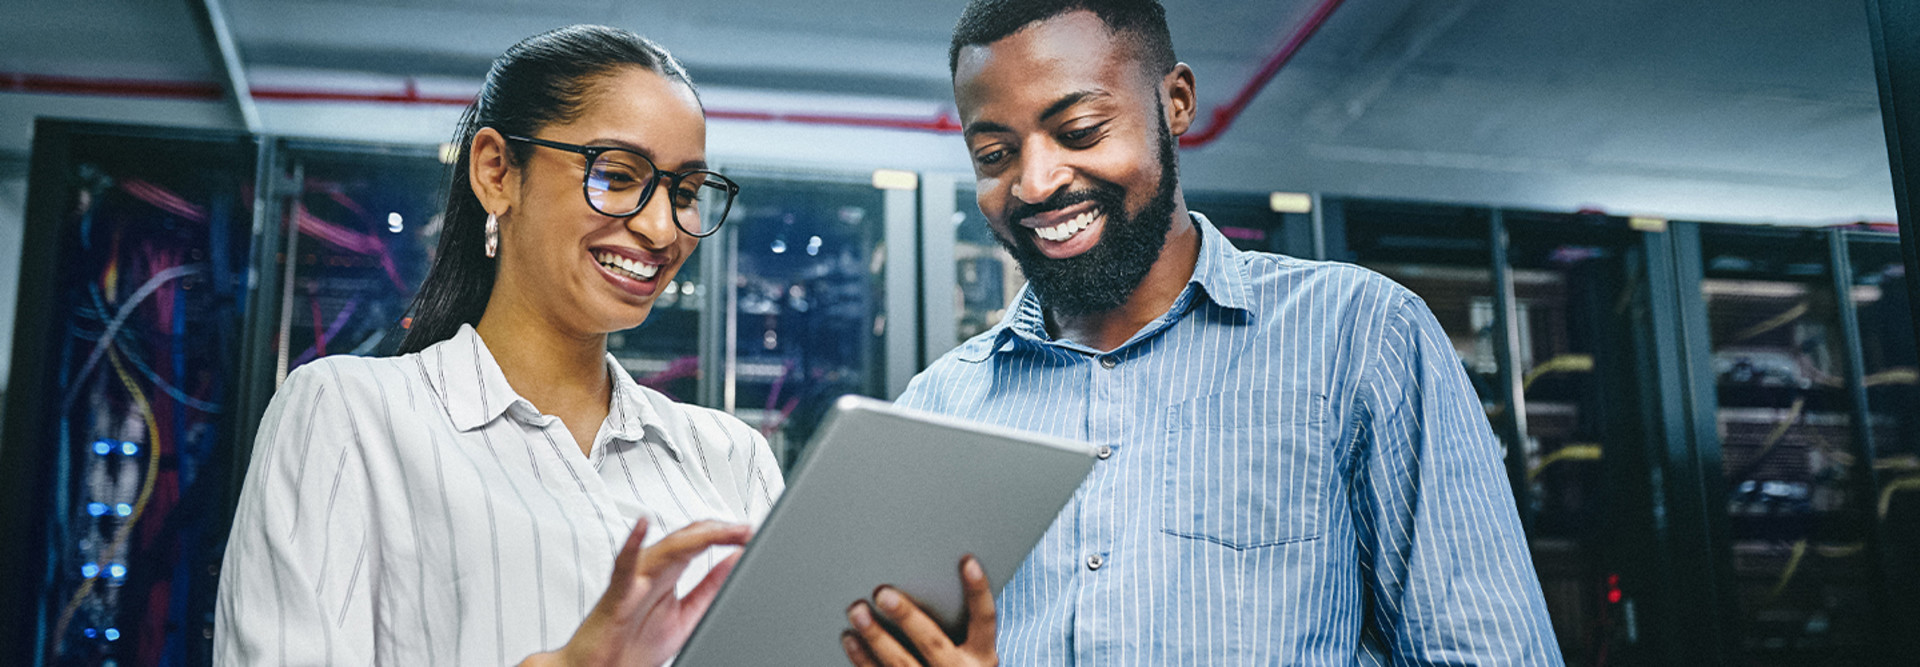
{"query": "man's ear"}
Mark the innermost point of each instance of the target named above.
(1181, 103)
(490, 171)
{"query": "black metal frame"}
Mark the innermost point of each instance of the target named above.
(1896, 63)
(1506, 352)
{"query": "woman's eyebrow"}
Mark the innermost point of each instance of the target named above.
(608, 142)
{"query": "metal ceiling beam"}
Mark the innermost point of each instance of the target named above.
(220, 45)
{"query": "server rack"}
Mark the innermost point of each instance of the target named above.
(123, 389)
(1784, 438)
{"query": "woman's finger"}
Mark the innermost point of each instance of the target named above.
(662, 563)
(682, 545)
(696, 602)
(982, 621)
(882, 647)
(629, 557)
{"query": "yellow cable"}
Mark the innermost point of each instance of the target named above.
(125, 531)
(1779, 432)
(1581, 452)
(1796, 312)
(1908, 483)
(1902, 375)
(1566, 363)
(1793, 564)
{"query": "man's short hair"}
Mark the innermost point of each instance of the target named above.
(1141, 24)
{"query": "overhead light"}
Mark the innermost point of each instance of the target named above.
(1647, 224)
(895, 179)
(1290, 202)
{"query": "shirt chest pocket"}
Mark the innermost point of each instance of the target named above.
(1247, 469)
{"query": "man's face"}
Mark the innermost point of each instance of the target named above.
(1074, 158)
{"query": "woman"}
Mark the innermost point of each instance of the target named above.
(467, 501)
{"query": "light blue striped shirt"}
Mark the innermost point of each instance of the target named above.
(1296, 472)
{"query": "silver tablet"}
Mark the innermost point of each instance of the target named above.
(885, 495)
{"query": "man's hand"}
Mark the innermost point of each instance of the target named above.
(870, 645)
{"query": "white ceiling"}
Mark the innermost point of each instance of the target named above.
(1741, 110)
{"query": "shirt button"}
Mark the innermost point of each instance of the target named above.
(1095, 561)
(1109, 362)
(1105, 452)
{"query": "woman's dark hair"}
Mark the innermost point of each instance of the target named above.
(543, 80)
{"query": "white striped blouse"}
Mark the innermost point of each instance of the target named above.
(414, 510)
(1294, 471)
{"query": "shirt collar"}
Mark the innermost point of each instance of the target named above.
(1218, 274)
(464, 372)
(632, 411)
(1220, 270)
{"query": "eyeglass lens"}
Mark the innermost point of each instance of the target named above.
(622, 182)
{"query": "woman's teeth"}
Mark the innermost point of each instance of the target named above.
(1066, 230)
(634, 269)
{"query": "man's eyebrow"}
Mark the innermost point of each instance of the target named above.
(1068, 100)
(985, 126)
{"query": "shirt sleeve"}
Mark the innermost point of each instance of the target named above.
(1448, 574)
(294, 583)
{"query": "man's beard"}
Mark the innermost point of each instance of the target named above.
(1105, 276)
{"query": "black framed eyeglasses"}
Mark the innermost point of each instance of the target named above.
(620, 182)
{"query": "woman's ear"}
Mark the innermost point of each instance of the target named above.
(490, 171)
(1181, 105)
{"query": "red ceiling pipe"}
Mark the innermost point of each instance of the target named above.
(1223, 116)
(14, 82)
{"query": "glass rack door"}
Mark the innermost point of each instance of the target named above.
(1803, 575)
(809, 256)
(1576, 382)
(360, 233)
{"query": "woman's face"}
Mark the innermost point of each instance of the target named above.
(584, 271)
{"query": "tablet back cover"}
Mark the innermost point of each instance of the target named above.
(885, 496)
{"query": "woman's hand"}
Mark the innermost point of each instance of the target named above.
(870, 645)
(639, 621)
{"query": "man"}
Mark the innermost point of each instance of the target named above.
(1293, 467)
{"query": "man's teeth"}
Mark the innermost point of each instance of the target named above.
(1066, 230)
(632, 268)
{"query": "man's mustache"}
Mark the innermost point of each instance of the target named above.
(1106, 197)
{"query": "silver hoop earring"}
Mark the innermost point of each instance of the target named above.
(493, 235)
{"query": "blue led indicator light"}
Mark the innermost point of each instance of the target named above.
(112, 634)
(117, 570)
(96, 509)
(90, 633)
(129, 448)
(102, 447)
(90, 570)
(123, 509)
